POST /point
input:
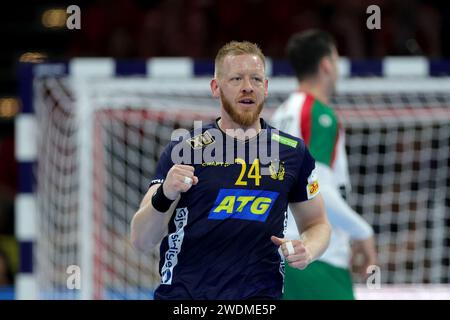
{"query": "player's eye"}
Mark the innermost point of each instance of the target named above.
(235, 80)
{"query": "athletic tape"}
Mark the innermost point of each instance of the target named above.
(290, 248)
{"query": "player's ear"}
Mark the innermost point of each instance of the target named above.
(326, 65)
(215, 88)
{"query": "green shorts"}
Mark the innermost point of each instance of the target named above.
(319, 281)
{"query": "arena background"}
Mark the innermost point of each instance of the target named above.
(135, 33)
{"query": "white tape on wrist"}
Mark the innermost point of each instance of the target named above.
(187, 180)
(290, 248)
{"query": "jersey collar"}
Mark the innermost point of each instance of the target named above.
(263, 127)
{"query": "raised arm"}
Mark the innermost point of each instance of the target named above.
(149, 224)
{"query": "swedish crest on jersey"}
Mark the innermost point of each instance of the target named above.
(201, 140)
(277, 170)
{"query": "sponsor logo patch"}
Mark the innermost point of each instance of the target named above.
(175, 240)
(243, 204)
(201, 140)
(312, 189)
(284, 140)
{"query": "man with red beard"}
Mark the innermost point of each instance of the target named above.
(222, 223)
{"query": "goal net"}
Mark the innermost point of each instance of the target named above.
(99, 140)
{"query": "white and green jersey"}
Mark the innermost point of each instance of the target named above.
(317, 124)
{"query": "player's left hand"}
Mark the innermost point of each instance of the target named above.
(300, 258)
(364, 255)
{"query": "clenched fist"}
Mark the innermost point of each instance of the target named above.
(180, 178)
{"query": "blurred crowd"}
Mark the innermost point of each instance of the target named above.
(8, 190)
(197, 28)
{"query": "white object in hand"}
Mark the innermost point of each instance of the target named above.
(290, 247)
(187, 180)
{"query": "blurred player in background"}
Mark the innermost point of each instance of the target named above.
(222, 222)
(307, 114)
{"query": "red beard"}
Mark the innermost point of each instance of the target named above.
(245, 118)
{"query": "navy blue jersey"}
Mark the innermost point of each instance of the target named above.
(218, 244)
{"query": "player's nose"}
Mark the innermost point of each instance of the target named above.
(246, 86)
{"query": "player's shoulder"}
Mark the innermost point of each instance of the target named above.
(291, 147)
(316, 106)
(285, 139)
(292, 102)
(323, 112)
